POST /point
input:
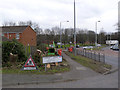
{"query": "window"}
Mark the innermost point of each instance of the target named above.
(17, 36)
(3, 34)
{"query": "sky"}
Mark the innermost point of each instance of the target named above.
(49, 13)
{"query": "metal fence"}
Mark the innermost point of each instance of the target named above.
(92, 55)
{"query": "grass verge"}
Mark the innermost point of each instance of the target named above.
(94, 65)
(41, 70)
(97, 48)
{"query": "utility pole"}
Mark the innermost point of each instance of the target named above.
(60, 35)
(61, 32)
(74, 29)
(96, 33)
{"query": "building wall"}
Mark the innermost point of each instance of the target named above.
(12, 36)
(28, 37)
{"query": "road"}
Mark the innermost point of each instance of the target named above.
(78, 77)
(107, 81)
(111, 56)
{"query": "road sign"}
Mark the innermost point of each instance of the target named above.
(30, 64)
(52, 59)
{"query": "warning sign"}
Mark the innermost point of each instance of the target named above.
(30, 64)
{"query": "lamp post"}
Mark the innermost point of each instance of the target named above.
(74, 29)
(96, 33)
(61, 32)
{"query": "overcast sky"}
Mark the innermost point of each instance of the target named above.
(49, 13)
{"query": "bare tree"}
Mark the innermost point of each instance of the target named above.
(10, 23)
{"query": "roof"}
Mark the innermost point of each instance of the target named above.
(13, 28)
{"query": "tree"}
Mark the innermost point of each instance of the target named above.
(91, 36)
(56, 30)
(102, 37)
(13, 47)
(10, 23)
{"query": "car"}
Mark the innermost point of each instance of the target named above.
(111, 47)
(58, 43)
(51, 46)
(88, 47)
(98, 45)
(115, 47)
(77, 46)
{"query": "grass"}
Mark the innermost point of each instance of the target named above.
(0, 71)
(98, 48)
(41, 70)
(94, 65)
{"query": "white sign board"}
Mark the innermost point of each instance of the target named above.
(52, 59)
(29, 68)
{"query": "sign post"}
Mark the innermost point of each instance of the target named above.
(45, 68)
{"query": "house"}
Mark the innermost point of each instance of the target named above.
(5, 39)
(24, 34)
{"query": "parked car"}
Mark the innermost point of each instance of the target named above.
(87, 47)
(77, 46)
(98, 45)
(51, 46)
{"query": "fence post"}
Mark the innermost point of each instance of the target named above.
(84, 52)
(99, 57)
(91, 54)
(94, 56)
(88, 54)
(104, 58)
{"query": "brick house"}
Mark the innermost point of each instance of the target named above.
(24, 34)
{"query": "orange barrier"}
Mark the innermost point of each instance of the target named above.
(70, 49)
(60, 52)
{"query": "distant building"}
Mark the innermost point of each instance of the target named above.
(112, 42)
(24, 34)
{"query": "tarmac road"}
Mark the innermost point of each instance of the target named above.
(107, 81)
(78, 77)
(111, 57)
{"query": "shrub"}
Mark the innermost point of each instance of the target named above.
(13, 47)
(37, 58)
(42, 47)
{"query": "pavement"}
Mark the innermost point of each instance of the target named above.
(78, 77)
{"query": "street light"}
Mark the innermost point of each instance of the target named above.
(61, 32)
(74, 29)
(96, 33)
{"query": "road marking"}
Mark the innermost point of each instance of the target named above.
(81, 68)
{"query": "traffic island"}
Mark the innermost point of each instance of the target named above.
(16, 68)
